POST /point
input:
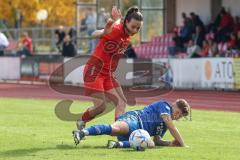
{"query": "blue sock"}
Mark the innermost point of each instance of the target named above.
(98, 130)
(124, 144)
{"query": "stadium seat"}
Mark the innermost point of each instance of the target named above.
(157, 48)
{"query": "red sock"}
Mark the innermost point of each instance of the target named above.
(86, 117)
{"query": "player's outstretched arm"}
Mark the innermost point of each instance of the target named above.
(107, 29)
(116, 13)
(97, 34)
(173, 129)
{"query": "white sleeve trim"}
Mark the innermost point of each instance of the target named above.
(165, 114)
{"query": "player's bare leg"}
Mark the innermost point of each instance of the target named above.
(121, 101)
(99, 106)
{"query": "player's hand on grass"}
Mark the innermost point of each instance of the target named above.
(175, 143)
(116, 13)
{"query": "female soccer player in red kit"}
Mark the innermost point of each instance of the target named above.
(99, 81)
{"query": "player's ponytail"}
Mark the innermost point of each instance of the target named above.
(134, 13)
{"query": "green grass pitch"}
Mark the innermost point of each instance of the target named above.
(29, 129)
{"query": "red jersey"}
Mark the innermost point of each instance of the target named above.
(226, 21)
(28, 44)
(110, 49)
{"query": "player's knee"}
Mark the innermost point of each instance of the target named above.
(122, 104)
(121, 107)
(115, 130)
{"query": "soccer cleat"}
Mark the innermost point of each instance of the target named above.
(112, 144)
(140, 148)
(80, 124)
(78, 136)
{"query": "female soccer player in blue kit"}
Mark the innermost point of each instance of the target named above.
(155, 118)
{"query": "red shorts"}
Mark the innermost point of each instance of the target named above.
(95, 81)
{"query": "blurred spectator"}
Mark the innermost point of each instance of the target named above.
(238, 37)
(231, 46)
(103, 16)
(220, 38)
(3, 43)
(60, 34)
(187, 20)
(83, 24)
(205, 49)
(193, 51)
(211, 27)
(199, 36)
(91, 27)
(73, 35)
(232, 43)
(196, 21)
(236, 28)
(218, 18)
(186, 32)
(213, 48)
(178, 45)
(185, 17)
(238, 40)
(226, 26)
(25, 45)
(68, 48)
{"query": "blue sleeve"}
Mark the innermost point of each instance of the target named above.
(164, 109)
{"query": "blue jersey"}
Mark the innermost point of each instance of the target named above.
(151, 120)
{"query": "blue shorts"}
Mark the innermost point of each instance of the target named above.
(131, 118)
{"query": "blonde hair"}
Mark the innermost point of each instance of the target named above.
(183, 105)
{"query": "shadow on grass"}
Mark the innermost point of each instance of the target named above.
(32, 151)
(63, 147)
(132, 150)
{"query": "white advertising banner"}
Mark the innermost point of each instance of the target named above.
(186, 73)
(201, 73)
(217, 73)
(10, 68)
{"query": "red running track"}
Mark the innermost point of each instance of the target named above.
(209, 100)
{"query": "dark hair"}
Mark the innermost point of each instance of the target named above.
(184, 15)
(183, 106)
(192, 14)
(134, 13)
(223, 11)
